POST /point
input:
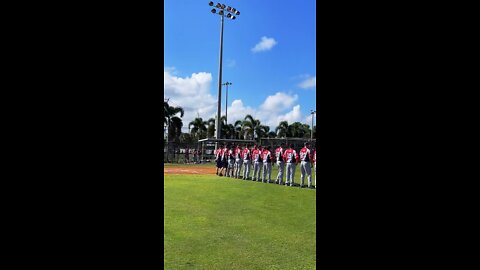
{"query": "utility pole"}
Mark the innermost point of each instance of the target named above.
(231, 15)
(311, 133)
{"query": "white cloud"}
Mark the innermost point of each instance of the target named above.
(295, 115)
(265, 44)
(238, 111)
(268, 113)
(309, 83)
(194, 95)
(191, 93)
(278, 102)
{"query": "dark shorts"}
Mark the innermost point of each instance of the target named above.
(225, 164)
(219, 164)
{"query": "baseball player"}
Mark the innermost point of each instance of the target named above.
(305, 165)
(267, 164)
(290, 157)
(260, 170)
(314, 158)
(231, 162)
(247, 156)
(218, 159)
(257, 160)
(280, 163)
(225, 160)
(238, 161)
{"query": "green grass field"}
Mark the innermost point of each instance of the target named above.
(216, 222)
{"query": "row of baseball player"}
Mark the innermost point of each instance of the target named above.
(231, 159)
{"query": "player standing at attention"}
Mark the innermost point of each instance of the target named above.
(247, 156)
(225, 160)
(260, 165)
(280, 163)
(290, 158)
(238, 161)
(218, 159)
(231, 162)
(256, 156)
(306, 165)
(267, 164)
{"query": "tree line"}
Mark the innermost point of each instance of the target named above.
(247, 129)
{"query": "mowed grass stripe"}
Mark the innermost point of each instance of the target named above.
(216, 222)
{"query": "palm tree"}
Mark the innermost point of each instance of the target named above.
(198, 128)
(238, 129)
(298, 130)
(271, 134)
(211, 128)
(281, 129)
(248, 127)
(262, 130)
(173, 122)
(253, 128)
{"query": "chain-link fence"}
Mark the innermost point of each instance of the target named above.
(189, 153)
(203, 150)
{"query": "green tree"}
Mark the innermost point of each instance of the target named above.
(173, 122)
(211, 128)
(238, 129)
(198, 128)
(282, 129)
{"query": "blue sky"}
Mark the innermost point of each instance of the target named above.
(274, 82)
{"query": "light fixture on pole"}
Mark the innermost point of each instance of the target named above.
(226, 101)
(221, 12)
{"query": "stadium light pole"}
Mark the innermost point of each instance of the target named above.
(226, 102)
(231, 15)
(311, 132)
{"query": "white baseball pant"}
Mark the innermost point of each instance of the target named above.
(256, 171)
(290, 174)
(305, 168)
(246, 169)
(281, 166)
(267, 169)
(238, 167)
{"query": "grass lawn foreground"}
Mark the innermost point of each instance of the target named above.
(213, 222)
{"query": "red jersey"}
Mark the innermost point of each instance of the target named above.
(246, 154)
(279, 154)
(218, 154)
(290, 155)
(266, 156)
(256, 154)
(314, 157)
(230, 154)
(238, 153)
(224, 154)
(305, 154)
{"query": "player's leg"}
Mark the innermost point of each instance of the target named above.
(287, 174)
(225, 167)
(240, 163)
(308, 170)
(264, 173)
(292, 178)
(269, 172)
(244, 169)
(259, 168)
(302, 173)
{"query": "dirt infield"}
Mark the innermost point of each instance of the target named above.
(189, 170)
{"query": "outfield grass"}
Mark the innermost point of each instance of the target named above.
(216, 222)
